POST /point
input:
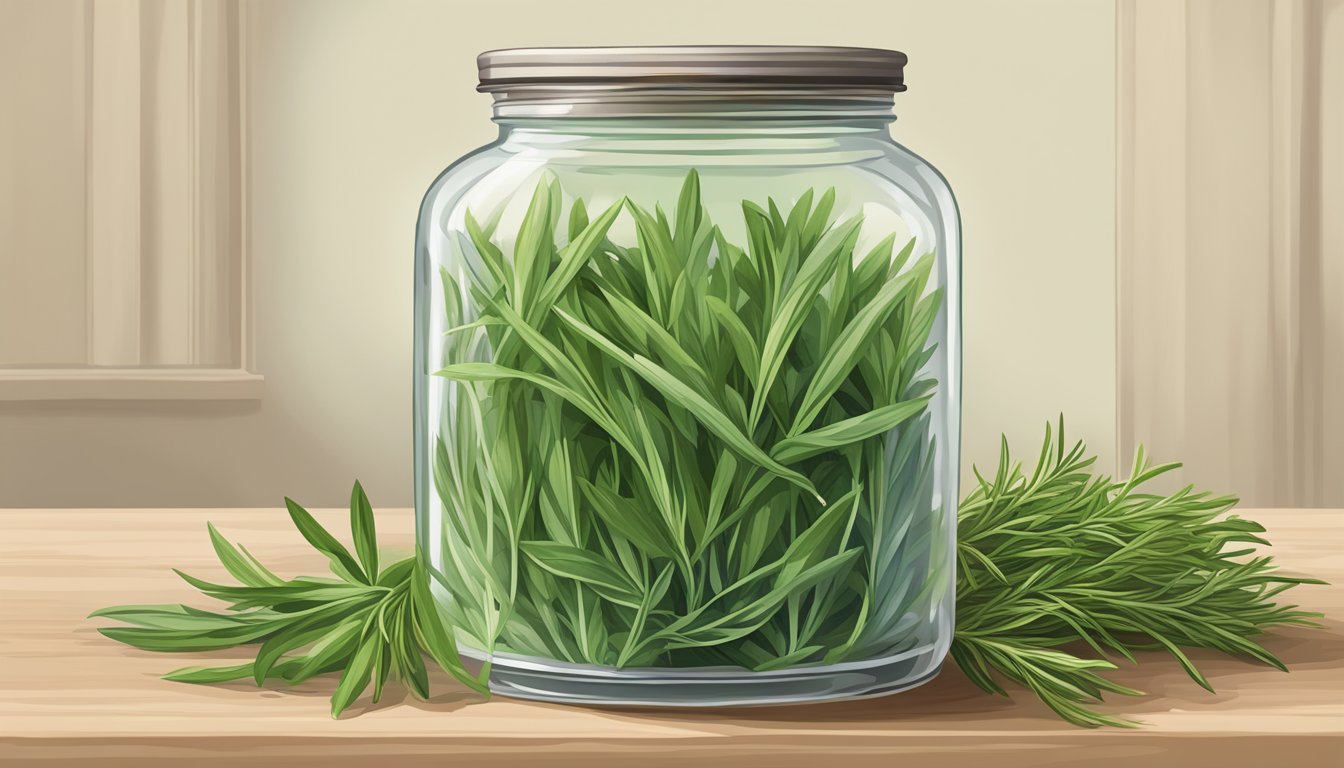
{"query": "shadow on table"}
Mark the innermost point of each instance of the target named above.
(941, 703)
(951, 698)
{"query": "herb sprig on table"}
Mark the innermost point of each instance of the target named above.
(369, 624)
(1063, 558)
(1057, 568)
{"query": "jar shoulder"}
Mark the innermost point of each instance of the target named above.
(918, 177)
(457, 180)
(877, 177)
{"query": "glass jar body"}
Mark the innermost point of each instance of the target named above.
(687, 410)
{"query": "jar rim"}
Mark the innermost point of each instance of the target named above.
(694, 67)
(768, 81)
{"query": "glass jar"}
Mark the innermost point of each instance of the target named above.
(687, 380)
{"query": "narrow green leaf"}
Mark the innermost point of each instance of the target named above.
(435, 637)
(572, 259)
(179, 617)
(846, 432)
(356, 676)
(641, 527)
(836, 244)
(303, 631)
(584, 566)
(176, 641)
(240, 565)
(689, 210)
(365, 534)
(210, 675)
(493, 372)
(493, 258)
(744, 346)
(532, 248)
(852, 343)
(693, 402)
(288, 593)
(578, 219)
(342, 564)
(332, 651)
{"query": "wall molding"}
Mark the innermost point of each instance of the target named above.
(167, 251)
(128, 384)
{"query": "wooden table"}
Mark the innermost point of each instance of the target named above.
(70, 697)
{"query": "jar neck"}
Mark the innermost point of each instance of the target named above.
(706, 101)
(742, 134)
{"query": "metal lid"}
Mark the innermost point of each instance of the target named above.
(694, 67)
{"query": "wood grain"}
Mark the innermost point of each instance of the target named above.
(70, 697)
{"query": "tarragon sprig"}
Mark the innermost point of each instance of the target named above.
(369, 624)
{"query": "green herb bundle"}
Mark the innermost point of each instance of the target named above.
(685, 451)
(369, 625)
(1063, 558)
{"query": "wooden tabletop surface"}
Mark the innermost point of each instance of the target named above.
(69, 696)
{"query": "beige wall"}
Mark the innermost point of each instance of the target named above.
(358, 105)
(41, 223)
